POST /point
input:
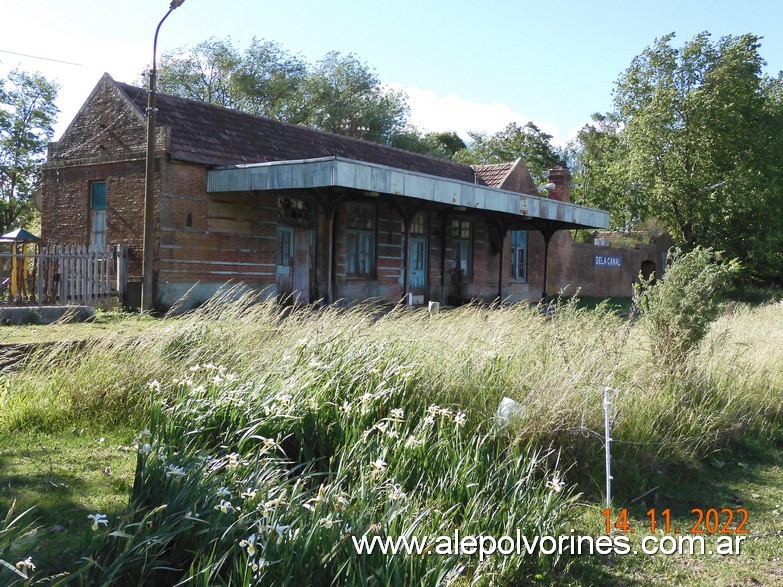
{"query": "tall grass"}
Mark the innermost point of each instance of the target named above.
(346, 422)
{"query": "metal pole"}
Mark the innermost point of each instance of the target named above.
(147, 281)
(608, 443)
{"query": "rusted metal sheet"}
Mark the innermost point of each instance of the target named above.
(369, 177)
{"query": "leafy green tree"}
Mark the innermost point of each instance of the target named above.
(345, 97)
(529, 142)
(435, 144)
(271, 82)
(599, 165)
(208, 71)
(338, 94)
(27, 116)
(694, 141)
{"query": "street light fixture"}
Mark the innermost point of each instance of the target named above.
(147, 282)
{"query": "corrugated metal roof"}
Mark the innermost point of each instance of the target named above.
(369, 177)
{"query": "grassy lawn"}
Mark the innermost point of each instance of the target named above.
(105, 322)
(64, 478)
(386, 420)
(751, 481)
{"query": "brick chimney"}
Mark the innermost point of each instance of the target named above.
(561, 177)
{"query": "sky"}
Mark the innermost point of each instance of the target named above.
(466, 66)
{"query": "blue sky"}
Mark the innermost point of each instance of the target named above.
(465, 65)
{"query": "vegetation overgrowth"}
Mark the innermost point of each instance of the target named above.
(272, 435)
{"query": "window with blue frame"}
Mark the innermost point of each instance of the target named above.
(519, 255)
(360, 239)
(98, 213)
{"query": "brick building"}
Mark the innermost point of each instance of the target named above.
(296, 211)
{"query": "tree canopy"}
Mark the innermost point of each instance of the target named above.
(694, 141)
(27, 113)
(339, 93)
(529, 142)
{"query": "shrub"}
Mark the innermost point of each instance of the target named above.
(678, 309)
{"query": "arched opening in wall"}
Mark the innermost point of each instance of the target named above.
(648, 270)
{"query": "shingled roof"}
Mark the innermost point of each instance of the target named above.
(209, 134)
(494, 174)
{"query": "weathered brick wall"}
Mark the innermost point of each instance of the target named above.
(105, 142)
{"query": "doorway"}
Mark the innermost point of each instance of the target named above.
(294, 264)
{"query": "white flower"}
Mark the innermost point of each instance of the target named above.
(555, 484)
(145, 448)
(257, 565)
(26, 565)
(269, 443)
(225, 506)
(378, 465)
(175, 471)
(249, 544)
(428, 421)
(327, 522)
(308, 506)
(223, 492)
(249, 493)
(154, 385)
(412, 441)
(397, 414)
(445, 412)
(460, 418)
(98, 519)
(381, 426)
(433, 410)
(396, 493)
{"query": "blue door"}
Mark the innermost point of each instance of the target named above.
(417, 265)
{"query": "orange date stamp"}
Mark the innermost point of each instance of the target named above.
(708, 521)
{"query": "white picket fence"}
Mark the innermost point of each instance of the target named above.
(64, 274)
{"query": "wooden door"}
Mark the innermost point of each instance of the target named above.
(285, 262)
(303, 265)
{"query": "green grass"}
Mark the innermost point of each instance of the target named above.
(63, 478)
(322, 384)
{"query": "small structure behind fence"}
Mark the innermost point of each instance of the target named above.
(63, 274)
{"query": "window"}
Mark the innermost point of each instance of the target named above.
(519, 255)
(360, 239)
(461, 234)
(98, 213)
(419, 224)
(292, 211)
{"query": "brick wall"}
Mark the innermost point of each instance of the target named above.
(105, 142)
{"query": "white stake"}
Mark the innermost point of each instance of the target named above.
(608, 442)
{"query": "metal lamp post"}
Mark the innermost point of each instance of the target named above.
(147, 282)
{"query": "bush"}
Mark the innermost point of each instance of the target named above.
(678, 309)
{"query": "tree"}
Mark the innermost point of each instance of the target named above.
(338, 94)
(529, 142)
(691, 142)
(599, 165)
(207, 71)
(27, 114)
(345, 97)
(435, 144)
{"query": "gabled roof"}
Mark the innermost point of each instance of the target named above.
(209, 134)
(494, 174)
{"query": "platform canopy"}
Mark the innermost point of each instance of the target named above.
(374, 179)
